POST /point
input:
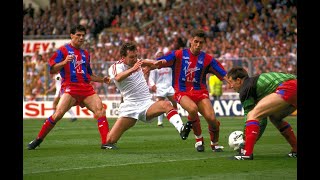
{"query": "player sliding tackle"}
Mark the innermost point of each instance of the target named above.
(137, 104)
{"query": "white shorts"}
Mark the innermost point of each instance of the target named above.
(164, 92)
(136, 110)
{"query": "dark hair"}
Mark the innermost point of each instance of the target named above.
(198, 33)
(77, 28)
(131, 46)
(237, 72)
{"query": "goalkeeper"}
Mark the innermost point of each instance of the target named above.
(272, 95)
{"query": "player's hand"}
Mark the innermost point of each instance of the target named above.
(106, 80)
(159, 63)
(154, 88)
(68, 58)
(136, 66)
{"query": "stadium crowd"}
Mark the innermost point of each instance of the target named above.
(260, 35)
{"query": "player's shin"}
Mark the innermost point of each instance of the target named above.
(103, 127)
(252, 131)
(214, 133)
(287, 132)
(46, 127)
(196, 126)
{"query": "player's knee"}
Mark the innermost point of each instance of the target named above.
(253, 115)
(166, 105)
(100, 112)
(193, 110)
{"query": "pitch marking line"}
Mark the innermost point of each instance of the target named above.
(127, 164)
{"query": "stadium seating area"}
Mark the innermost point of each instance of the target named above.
(260, 35)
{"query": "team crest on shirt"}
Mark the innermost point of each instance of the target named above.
(189, 73)
(77, 64)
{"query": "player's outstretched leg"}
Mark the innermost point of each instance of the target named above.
(46, 128)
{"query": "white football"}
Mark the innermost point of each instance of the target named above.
(235, 139)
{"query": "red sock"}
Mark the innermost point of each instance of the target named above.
(214, 132)
(171, 113)
(252, 131)
(287, 132)
(103, 127)
(46, 128)
(196, 126)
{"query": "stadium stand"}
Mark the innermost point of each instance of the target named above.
(259, 35)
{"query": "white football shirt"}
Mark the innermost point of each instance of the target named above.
(134, 88)
(162, 77)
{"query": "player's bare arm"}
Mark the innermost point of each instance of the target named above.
(123, 75)
(160, 63)
(151, 64)
(56, 68)
(105, 79)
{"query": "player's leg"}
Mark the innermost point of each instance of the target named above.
(284, 97)
(94, 104)
(173, 101)
(65, 103)
(160, 117)
(285, 128)
(120, 126)
(193, 119)
(161, 107)
(55, 103)
(267, 106)
(206, 109)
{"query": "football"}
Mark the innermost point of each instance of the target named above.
(235, 139)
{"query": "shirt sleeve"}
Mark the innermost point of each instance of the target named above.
(115, 69)
(56, 58)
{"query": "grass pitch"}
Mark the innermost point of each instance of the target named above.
(72, 151)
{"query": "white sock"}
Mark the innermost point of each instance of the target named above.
(160, 119)
(176, 121)
(71, 113)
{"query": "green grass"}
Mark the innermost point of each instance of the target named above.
(72, 151)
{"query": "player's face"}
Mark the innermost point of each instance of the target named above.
(77, 39)
(131, 58)
(196, 45)
(234, 84)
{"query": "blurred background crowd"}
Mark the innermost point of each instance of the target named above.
(260, 35)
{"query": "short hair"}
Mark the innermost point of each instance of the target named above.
(237, 72)
(159, 54)
(131, 46)
(198, 33)
(77, 28)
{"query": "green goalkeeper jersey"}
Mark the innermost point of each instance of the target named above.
(257, 87)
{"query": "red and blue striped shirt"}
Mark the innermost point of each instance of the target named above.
(189, 71)
(76, 71)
